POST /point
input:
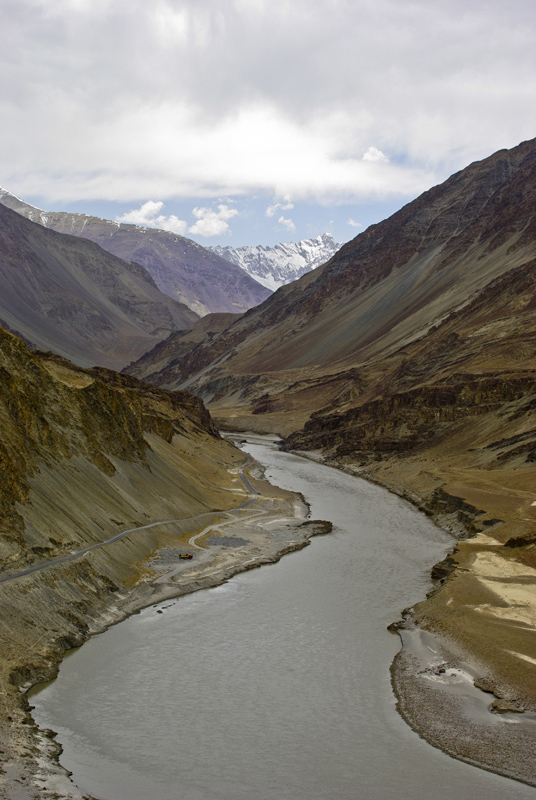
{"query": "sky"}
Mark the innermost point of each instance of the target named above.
(244, 122)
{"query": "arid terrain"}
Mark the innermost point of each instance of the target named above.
(69, 295)
(410, 359)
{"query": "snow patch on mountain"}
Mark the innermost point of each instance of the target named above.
(284, 263)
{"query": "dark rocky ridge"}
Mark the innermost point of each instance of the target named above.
(168, 355)
(390, 284)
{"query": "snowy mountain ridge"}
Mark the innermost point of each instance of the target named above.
(275, 266)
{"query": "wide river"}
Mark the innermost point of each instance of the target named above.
(274, 686)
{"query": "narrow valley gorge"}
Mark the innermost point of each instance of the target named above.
(86, 455)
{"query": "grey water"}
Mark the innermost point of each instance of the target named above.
(276, 685)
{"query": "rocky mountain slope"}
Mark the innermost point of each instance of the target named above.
(182, 269)
(84, 454)
(284, 263)
(410, 357)
(386, 288)
(67, 294)
(172, 350)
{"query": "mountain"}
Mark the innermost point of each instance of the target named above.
(387, 287)
(180, 268)
(410, 358)
(67, 294)
(284, 263)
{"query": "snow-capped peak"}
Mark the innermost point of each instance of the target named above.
(283, 263)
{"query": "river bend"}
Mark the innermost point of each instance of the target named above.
(274, 686)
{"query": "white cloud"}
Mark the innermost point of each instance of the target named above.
(251, 96)
(354, 224)
(287, 224)
(373, 154)
(209, 222)
(146, 216)
(212, 223)
(271, 211)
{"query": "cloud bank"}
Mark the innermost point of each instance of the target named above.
(331, 102)
(212, 223)
(148, 217)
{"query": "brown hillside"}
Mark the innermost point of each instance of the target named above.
(384, 289)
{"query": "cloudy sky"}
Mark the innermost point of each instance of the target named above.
(257, 121)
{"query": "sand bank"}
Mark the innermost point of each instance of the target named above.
(437, 696)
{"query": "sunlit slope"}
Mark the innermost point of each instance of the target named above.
(86, 455)
(85, 452)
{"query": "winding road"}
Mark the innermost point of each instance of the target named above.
(121, 535)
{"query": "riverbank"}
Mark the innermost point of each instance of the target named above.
(480, 616)
(221, 545)
(438, 696)
(239, 540)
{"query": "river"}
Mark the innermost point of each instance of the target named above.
(276, 685)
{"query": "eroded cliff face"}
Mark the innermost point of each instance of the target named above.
(476, 369)
(53, 412)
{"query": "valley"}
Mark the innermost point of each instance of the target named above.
(407, 359)
(105, 483)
